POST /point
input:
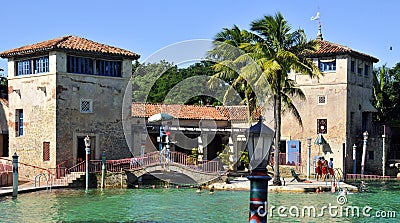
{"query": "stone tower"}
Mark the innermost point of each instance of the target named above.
(62, 90)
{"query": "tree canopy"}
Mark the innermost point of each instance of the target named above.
(387, 94)
(164, 82)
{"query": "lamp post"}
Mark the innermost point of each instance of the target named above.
(320, 141)
(354, 159)
(259, 144)
(87, 149)
(365, 136)
(308, 157)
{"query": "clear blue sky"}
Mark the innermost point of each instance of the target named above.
(147, 26)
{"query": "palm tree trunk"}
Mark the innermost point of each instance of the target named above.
(277, 117)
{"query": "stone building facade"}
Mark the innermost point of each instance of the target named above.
(62, 90)
(338, 105)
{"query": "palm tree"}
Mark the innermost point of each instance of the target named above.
(231, 60)
(284, 52)
(275, 51)
(381, 98)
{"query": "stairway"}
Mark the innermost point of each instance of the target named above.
(68, 179)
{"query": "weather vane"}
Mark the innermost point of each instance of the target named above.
(318, 17)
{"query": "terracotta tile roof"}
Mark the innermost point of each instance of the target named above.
(178, 111)
(238, 112)
(74, 43)
(330, 49)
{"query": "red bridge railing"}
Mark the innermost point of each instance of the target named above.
(150, 159)
(26, 170)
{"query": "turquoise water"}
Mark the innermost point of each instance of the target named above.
(185, 205)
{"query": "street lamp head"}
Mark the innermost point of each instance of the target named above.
(308, 141)
(365, 135)
(259, 144)
(87, 141)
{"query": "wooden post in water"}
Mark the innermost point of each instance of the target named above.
(15, 175)
(103, 168)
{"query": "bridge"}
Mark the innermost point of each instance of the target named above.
(165, 166)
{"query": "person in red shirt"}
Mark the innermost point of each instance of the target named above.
(318, 168)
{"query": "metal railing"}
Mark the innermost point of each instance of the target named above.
(365, 177)
(150, 159)
(26, 170)
(282, 159)
(338, 172)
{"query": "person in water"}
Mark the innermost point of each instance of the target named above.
(212, 190)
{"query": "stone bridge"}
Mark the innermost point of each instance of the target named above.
(174, 167)
(175, 173)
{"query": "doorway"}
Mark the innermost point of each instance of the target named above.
(80, 147)
(4, 145)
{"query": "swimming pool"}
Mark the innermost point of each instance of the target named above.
(185, 205)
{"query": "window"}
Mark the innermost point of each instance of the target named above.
(79, 65)
(86, 105)
(24, 67)
(353, 66)
(366, 70)
(327, 65)
(82, 65)
(33, 66)
(19, 125)
(359, 68)
(46, 151)
(321, 99)
(371, 155)
(108, 68)
(42, 65)
(322, 126)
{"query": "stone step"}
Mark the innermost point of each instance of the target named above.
(69, 178)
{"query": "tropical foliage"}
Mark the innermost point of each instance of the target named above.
(259, 62)
(386, 90)
(164, 82)
(3, 84)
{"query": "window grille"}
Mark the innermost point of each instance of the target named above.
(86, 105)
(322, 99)
(322, 126)
(46, 151)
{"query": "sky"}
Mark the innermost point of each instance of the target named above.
(145, 27)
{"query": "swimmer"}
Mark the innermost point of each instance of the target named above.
(212, 190)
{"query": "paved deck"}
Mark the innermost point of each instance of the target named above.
(24, 188)
(242, 183)
(239, 183)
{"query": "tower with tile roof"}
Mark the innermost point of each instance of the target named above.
(338, 106)
(62, 90)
